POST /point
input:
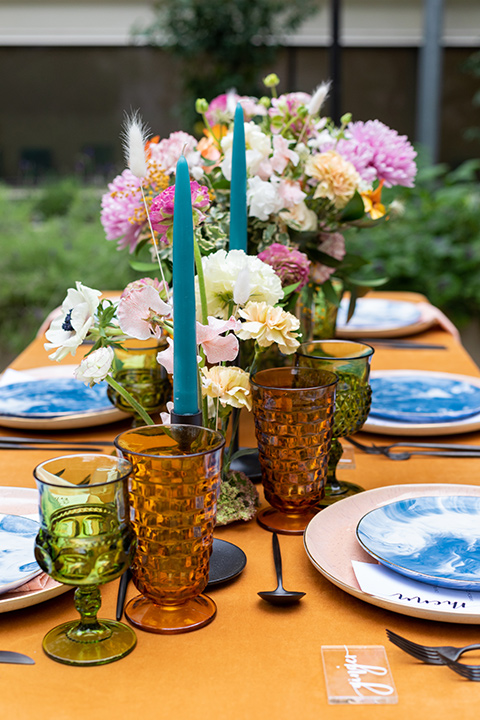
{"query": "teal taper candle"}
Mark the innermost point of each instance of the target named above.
(185, 372)
(238, 186)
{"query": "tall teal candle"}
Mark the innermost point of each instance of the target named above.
(238, 185)
(185, 372)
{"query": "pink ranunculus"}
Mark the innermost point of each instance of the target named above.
(290, 264)
(162, 207)
(168, 151)
(218, 347)
(138, 312)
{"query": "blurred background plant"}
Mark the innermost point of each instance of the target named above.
(214, 40)
(51, 237)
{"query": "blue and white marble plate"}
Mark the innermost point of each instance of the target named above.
(378, 314)
(51, 398)
(17, 558)
(435, 540)
(424, 397)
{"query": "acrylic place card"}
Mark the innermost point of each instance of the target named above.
(378, 580)
(358, 674)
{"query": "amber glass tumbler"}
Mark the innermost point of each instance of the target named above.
(173, 495)
(293, 414)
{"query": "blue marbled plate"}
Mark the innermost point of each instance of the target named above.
(423, 398)
(17, 559)
(52, 398)
(435, 540)
(378, 314)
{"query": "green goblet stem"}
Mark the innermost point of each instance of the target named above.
(335, 454)
(87, 603)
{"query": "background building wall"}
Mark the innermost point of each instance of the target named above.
(69, 70)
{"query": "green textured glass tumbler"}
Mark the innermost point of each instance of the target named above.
(350, 361)
(85, 539)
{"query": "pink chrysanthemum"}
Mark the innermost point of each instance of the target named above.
(161, 209)
(378, 152)
(290, 265)
(119, 205)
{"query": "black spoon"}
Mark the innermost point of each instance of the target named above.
(280, 596)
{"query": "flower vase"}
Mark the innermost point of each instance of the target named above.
(136, 369)
(317, 311)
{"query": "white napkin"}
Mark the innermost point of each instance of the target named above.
(380, 581)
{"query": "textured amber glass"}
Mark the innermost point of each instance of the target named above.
(85, 539)
(135, 368)
(350, 361)
(293, 415)
(173, 495)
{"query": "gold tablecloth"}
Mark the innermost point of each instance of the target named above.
(254, 660)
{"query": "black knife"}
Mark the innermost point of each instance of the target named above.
(7, 656)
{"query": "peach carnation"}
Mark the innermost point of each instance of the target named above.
(268, 325)
(337, 177)
(231, 385)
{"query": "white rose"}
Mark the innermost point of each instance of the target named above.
(222, 271)
(95, 367)
(263, 198)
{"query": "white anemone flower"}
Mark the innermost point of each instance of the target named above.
(95, 367)
(68, 331)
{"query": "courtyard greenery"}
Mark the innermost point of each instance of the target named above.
(51, 236)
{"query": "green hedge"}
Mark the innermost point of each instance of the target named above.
(49, 239)
(433, 245)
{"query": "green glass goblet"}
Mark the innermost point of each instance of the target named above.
(350, 361)
(136, 369)
(85, 539)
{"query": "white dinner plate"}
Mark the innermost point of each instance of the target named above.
(379, 317)
(386, 426)
(331, 545)
(435, 540)
(21, 401)
(24, 501)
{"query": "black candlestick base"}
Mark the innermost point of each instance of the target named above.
(186, 419)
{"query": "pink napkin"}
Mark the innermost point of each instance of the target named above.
(430, 312)
(39, 582)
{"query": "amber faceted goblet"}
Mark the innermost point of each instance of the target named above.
(350, 361)
(293, 415)
(173, 494)
(85, 539)
(135, 368)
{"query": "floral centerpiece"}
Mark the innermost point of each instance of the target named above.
(308, 180)
(239, 298)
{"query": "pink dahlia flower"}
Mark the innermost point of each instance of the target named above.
(161, 209)
(378, 152)
(290, 265)
(119, 206)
